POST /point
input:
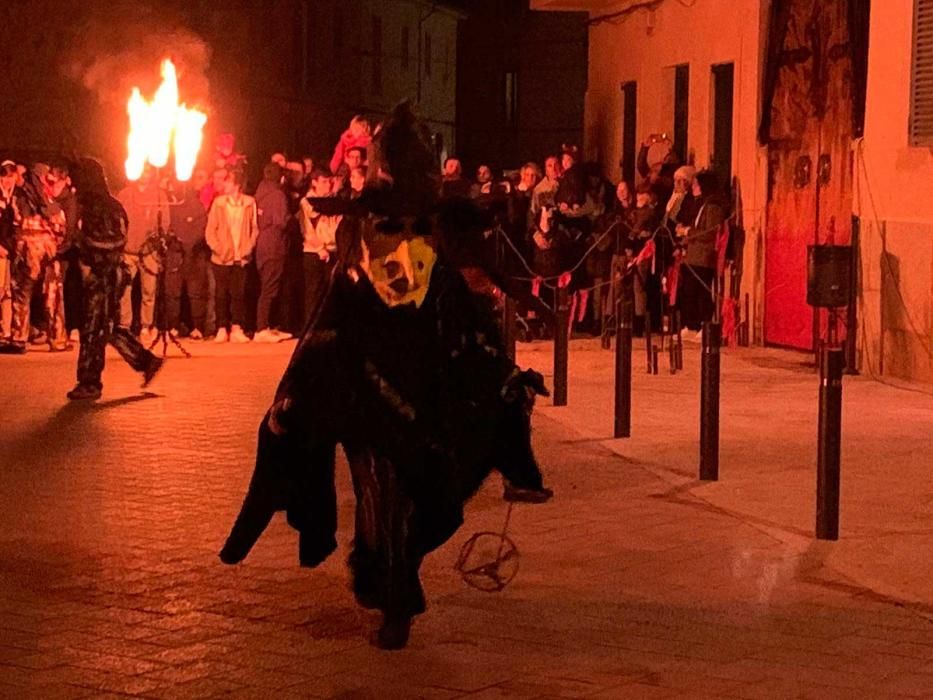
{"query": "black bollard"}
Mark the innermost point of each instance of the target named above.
(679, 340)
(709, 402)
(561, 346)
(623, 408)
(508, 326)
(829, 438)
(655, 353)
(648, 343)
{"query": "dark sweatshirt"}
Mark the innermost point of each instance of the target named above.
(189, 218)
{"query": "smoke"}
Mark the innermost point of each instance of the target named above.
(121, 44)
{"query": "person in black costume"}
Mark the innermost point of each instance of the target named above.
(100, 243)
(404, 367)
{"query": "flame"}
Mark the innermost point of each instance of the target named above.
(158, 126)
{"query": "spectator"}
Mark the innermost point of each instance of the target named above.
(35, 248)
(680, 207)
(522, 194)
(186, 264)
(354, 159)
(357, 135)
(231, 235)
(571, 188)
(279, 159)
(307, 163)
(146, 208)
(319, 235)
(9, 220)
(356, 182)
(660, 175)
(227, 155)
(213, 189)
(453, 183)
(696, 295)
(272, 211)
(642, 220)
(483, 184)
(296, 187)
(528, 178)
(68, 253)
(545, 190)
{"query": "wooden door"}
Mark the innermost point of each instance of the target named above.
(810, 171)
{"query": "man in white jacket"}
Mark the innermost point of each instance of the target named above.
(231, 235)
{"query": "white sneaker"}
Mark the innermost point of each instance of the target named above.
(281, 335)
(267, 336)
(238, 336)
(221, 336)
(195, 335)
(74, 336)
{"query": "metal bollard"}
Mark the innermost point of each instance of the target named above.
(561, 346)
(829, 443)
(625, 310)
(648, 343)
(709, 402)
(508, 326)
(655, 364)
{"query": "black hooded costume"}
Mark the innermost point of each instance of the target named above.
(404, 367)
(100, 243)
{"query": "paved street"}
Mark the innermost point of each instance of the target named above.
(637, 581)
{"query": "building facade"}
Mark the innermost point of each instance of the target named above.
(522, 82)
(816, 171)
(283, 75)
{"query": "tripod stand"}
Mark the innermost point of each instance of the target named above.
(160, 242)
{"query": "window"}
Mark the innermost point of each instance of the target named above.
(629, 129)
(681, 110)
(921, 88)
(511, 98)
(723, 89)
(377, 55)
(406, 50)
(427, 55)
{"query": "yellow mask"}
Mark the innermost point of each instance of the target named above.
(398, 265)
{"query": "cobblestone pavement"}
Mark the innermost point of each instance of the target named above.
(635, 582)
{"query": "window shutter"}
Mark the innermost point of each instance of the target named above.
(921, 93)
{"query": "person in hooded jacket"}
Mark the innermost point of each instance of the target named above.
(100, 241)
(271, 249)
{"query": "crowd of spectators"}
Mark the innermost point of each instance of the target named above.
(211, 261)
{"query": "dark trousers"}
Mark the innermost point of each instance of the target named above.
(385, 560)
(271, 269)
(316, 274)
(230, 295)
(186, 270)
(103, 288)
(695, 297)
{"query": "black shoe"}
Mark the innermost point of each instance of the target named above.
(12, 349)
(84, 392)
(152, 370)
(516, 495)
(393, 635)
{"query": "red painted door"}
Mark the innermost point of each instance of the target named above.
(810, 196)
